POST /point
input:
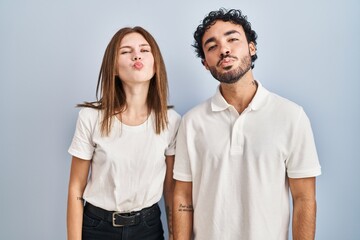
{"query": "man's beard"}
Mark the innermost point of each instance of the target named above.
(234, 75)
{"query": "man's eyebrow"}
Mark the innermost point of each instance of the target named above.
(230, 32)
(212, 39)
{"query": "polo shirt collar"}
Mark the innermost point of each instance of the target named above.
(218, 102)
(259, 99)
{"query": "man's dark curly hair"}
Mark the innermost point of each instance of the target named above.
(233, 15)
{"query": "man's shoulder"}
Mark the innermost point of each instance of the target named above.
(199, 110)
(284, 107)
(284, 102)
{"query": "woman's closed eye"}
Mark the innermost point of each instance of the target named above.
(145, 50)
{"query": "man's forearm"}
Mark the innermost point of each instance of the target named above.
(304, 219)
(183, 219)
(183, 211)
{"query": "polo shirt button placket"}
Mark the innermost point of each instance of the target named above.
(237, 136)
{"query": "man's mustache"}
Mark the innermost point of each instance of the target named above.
(225, 56)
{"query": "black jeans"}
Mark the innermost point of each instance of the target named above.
(149, 228)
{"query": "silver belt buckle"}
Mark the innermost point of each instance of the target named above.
(114, 219)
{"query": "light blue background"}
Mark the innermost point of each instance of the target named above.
(50, 55)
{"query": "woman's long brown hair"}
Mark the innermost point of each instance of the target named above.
(112, 99)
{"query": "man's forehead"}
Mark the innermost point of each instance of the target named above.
(221, 28)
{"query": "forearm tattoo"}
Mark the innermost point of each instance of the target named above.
(185, 208)
(80, 199)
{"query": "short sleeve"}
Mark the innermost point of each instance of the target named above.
(174, 122)
(82, 145)
(182, 167)
(303, 159)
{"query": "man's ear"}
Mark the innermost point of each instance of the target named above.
(252, 48)
(203, 61)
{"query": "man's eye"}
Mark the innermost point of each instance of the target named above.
(233, 39)
(211, 47)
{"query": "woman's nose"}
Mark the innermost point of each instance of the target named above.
(136, 57)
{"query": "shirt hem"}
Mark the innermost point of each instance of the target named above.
(311, 173)
(79, 154)
(182, 177)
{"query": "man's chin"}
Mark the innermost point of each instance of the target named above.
(227, 68)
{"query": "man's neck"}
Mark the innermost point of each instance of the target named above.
(241, 93)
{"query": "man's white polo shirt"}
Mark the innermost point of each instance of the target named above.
(239, 165)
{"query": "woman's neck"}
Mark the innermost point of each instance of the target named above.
(136, 111)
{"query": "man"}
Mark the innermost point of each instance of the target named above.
(240, 152)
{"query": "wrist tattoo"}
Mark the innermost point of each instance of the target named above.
(80, 199)
(169, 218)
(168, 212)
(185, 208)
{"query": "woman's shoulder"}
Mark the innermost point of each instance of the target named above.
(88, 113)
(173, 115)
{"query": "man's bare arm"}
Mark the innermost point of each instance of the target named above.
(304, 208)
(183, 211)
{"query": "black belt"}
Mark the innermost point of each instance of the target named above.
(119, 219)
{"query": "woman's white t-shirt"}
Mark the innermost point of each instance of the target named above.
(128, 166)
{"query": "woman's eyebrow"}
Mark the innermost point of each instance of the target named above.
(141, 45)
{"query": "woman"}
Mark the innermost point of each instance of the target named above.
(127, 139)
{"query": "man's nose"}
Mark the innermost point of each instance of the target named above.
(224, 50)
